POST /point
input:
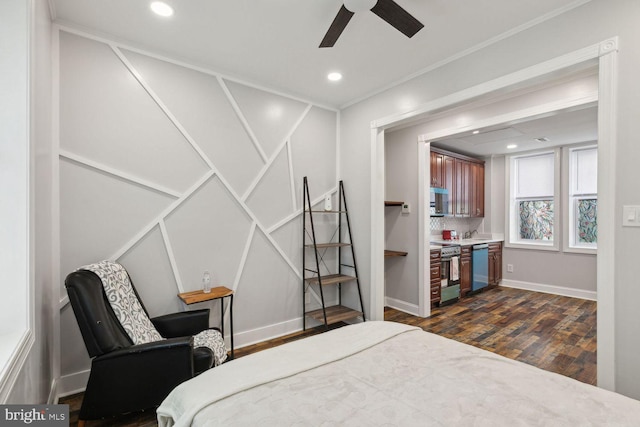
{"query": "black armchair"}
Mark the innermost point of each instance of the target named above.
(126, 377)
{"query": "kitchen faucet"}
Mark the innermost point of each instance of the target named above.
(469, 234)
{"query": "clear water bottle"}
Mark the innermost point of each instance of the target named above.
(206, 282)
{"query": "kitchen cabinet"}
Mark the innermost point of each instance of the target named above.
(464, 178)
(465, 270)
(448, 177)
(435, 275)
(461, 198)
(476, 199)
(495, 264)
(437, 169)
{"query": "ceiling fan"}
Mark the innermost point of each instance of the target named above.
(388, 10)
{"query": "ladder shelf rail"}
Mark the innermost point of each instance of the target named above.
(333, 313)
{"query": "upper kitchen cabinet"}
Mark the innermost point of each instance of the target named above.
(476, 189)
(437, 169)
(463, 177)
(460, 196)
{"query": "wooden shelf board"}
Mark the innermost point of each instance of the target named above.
(331, 279)
(388, 253)
(390, 203)
(328, 245)
(200, 296)
(335, 314)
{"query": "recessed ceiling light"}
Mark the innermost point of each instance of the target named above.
(161, 8)
(512, 146)
(334, 77)
(475, 132)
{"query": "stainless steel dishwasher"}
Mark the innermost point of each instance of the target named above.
(479, 266)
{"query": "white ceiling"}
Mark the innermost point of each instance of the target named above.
(274, 43)
(560, 128)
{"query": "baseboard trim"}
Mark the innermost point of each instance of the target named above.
(72, 384)
(53, 393)
(402, 306)
(550, 289)
(254, 336)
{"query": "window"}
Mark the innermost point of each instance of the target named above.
(15, 321)
(533, 199)
(582, 204)
(543, 210)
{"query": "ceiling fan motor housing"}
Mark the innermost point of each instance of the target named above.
(359, 5)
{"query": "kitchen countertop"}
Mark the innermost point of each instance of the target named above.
(465, 242)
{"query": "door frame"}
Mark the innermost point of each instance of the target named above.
(605, 55)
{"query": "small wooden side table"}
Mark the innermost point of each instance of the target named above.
(219, 292)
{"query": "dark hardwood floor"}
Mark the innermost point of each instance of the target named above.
(548, 331)
(552, 332)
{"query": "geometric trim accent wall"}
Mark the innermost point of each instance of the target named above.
(172, 169)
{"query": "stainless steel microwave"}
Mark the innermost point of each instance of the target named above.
(439, 202)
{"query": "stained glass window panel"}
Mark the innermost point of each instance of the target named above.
(536, 219)
(587, 220)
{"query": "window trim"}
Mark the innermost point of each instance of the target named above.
(511, 218)
(567, 199)
(18, 337)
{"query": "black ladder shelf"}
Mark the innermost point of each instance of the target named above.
(333, 313)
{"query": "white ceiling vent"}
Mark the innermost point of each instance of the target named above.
(542, 139)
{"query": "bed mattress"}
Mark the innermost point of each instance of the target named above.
(385, 373)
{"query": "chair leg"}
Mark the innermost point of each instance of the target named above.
(81, 423)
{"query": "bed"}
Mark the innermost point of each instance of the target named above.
(386, 373)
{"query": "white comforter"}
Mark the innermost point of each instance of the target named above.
(384, 373)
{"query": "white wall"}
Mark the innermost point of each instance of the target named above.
(584, 26)
(401, 230)
(180, 171)
(494, 194)
(568, 272)
(36, 378)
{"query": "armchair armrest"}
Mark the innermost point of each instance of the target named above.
(176, 345)
(184, 323)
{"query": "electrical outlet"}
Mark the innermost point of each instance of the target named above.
(509, 268)
(406, 208)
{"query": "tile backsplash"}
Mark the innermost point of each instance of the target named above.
(461, 225)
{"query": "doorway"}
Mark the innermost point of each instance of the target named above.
(604, 56)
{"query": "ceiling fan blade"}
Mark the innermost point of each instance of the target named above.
(337, 27)
(399, 18)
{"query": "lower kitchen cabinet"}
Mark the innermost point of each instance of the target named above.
(465, 270)
(435, 266)
(495, 264)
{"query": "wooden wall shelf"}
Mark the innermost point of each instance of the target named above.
(389, 203)
(389, 254)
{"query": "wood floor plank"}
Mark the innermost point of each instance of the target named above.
(552, 332)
